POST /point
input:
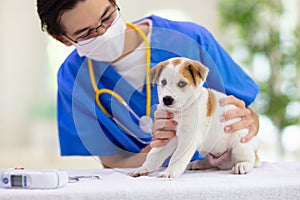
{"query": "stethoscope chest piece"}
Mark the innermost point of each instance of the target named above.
(146, 123)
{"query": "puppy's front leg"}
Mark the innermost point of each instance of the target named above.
(155, 159)
(184, 152)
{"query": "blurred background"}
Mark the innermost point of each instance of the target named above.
(261, 35)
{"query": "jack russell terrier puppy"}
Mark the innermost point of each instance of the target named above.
(197, 111)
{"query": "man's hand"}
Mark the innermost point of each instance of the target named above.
(163, 128)
(249, 119)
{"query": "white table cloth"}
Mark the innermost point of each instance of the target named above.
(270, 181)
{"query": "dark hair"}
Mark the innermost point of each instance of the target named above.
(50, 12)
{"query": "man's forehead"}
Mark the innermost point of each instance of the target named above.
(84, 15)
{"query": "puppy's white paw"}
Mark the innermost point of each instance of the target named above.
(139, 172)
(242, 168)
(165, 175)
(169, 173)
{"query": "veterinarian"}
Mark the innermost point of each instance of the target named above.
(110, 66)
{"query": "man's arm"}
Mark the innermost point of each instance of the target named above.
(125, 160)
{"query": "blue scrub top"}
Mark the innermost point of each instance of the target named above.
(85, 130)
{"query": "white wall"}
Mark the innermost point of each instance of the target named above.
(28, 138)
(23, 60)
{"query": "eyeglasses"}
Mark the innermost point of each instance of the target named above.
(93, 33)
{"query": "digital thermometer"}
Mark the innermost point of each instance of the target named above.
(33, 179)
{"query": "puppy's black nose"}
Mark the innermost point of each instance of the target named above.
(168, 100)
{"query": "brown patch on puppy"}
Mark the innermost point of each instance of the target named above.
(211, 103)
(190, 73)
(201, 69)
(176, 62)
(194, 72)
(156, 71)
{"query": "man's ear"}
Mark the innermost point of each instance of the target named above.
(62, 39)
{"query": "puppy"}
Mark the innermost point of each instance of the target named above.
(197, 111)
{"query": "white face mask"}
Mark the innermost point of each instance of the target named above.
(107, 47)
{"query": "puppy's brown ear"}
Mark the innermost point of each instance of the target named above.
(194, 72)
(198, 71)
(156, 71)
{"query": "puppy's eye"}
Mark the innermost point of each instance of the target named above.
(182, 84)
(164, 82)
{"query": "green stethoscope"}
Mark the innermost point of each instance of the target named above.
(145, 122)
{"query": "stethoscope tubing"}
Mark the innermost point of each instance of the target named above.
(98, 91)
(130, 133)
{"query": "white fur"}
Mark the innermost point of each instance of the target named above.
(196, 131)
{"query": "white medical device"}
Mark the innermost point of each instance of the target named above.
(33, 179)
